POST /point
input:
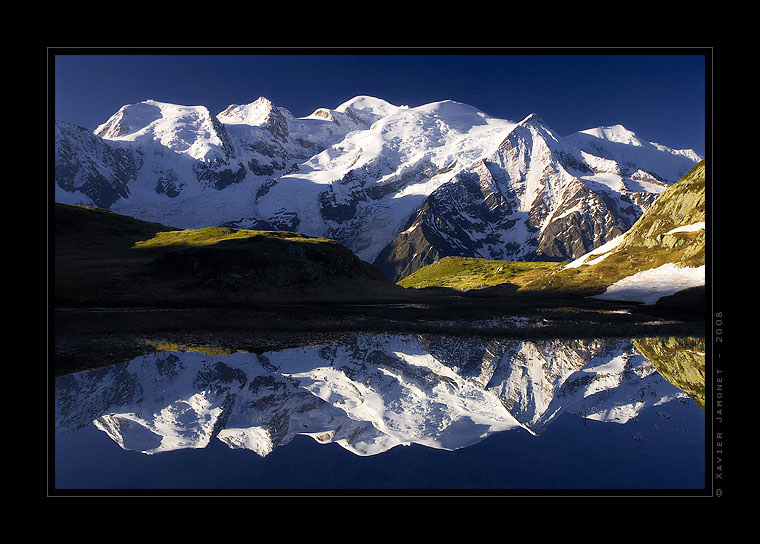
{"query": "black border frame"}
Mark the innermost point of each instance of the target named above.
(715, 319)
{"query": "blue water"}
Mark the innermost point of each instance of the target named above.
(663, 448)
(573, 454)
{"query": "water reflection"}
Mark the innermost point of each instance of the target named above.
(370, 393)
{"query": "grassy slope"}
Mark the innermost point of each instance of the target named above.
(645, 246)
(106, 259)
(464, 273)
(213, 235)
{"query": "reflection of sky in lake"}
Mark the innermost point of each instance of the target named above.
(382, 412)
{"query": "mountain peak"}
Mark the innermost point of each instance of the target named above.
(367, 106)
(253, 113)
(132, 120)
(533, 119)
(323, 113)
(361, 102)
(614, 133)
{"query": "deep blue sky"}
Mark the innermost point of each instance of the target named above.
(660, 97)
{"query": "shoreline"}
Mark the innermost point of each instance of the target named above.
(91, 337)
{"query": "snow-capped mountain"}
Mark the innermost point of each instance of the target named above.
(368, 393)
(535, 197)
(399, 186)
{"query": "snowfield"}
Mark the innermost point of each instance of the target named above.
(599, 254)
(688, 228)
(651, 285)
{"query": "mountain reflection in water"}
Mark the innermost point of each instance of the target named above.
(370, 392)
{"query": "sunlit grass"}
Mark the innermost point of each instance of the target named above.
(208, 350)
(465, 273)
(213, 235)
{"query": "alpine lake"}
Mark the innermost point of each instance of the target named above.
(374, 406)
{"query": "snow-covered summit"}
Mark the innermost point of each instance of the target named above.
(254, 113)
(191, 130)
(376, 107)
(615, 133)
(130, 119)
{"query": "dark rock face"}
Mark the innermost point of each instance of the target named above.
(221, 132)
(277, 124)
(217, 175)
(169, 184)
(410, 251)
(485, 226)
(84, 163)
(575, 233)
(334, 210)
(258, 169)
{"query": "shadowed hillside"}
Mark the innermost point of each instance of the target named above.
(106, 259)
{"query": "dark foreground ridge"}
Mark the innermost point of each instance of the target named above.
(123, 287)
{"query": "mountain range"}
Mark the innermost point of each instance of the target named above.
(399, 186)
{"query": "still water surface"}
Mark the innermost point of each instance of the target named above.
(380, 412)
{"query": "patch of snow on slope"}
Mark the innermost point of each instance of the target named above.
(688, 228)
(612, 181)
(601, 253)
(651, 285)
